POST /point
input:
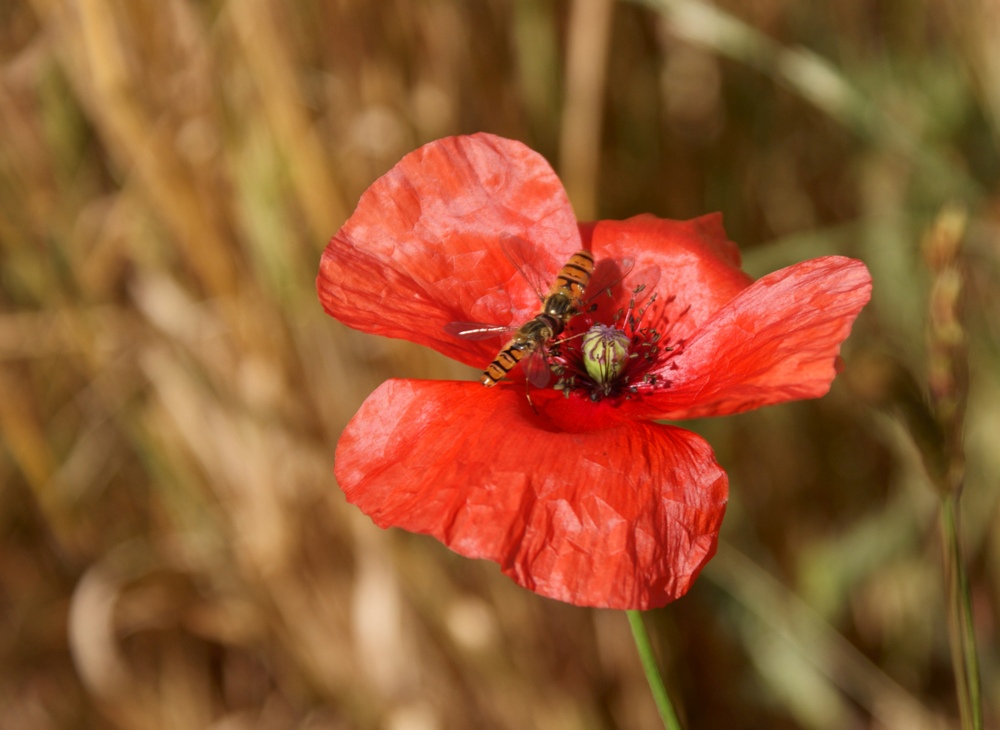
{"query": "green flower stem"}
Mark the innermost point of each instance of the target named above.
(667, 714)
(964, 658)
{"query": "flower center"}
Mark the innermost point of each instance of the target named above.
(621, 359)
(605, 352)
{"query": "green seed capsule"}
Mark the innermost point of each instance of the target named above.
(605, 352)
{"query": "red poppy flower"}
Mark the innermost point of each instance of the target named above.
(579, 494)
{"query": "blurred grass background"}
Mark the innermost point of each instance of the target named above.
(175, 552)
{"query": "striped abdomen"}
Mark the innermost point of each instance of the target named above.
(532, 334)
(565, 297)
(564, 300)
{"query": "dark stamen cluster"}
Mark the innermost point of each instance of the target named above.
(581, 363)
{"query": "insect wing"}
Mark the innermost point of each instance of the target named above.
(642, 284)
(523, 256)
(536, 368)
(477, 330)
(607, 274)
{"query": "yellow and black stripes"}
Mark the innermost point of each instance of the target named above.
(564, 301)
(505, 361)
(572, 279)
(533, 334)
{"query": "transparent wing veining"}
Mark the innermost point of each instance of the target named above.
(536, 368)
(522, 256)
(608, 273)
(477, 330)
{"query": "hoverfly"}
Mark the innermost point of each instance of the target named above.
(530, 339)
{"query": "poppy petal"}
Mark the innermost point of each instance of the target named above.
(422, 248)
(699, 268)
(776, 341)
(620, 518)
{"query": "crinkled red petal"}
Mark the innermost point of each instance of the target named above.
(776, 341)
(421, 250)
(622, 518)
(697, 269)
